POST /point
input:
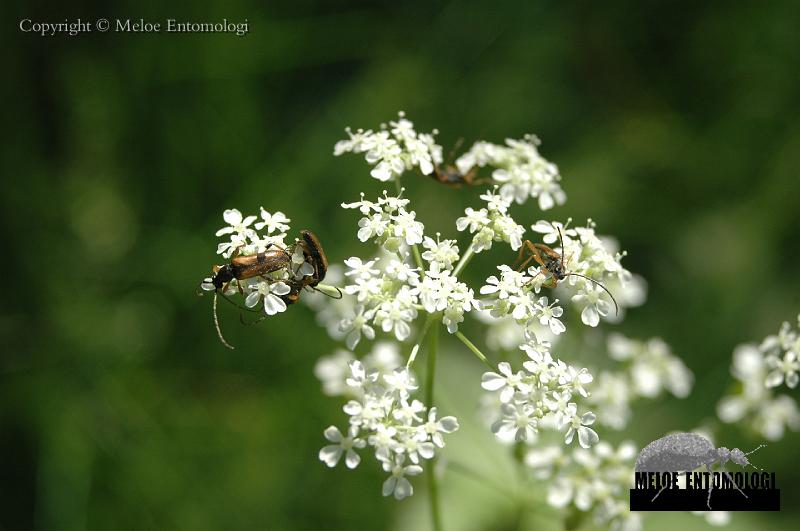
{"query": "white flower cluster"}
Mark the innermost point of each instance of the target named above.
(650, 369)
(521, 171)
(540, 396)
(585, 254)
(595, 480)
(334, 370)
(401, 430)
(389, 223)
(329, 313)
(759, 371)
(243, 234)
(393, 149)
(267, 291)
(491, 224)
(516, 297)
(653, 367)
(389, 293)
(415, 274)
(780, 354)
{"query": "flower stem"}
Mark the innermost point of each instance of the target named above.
(465, 258)
(433, 347)
(418, 259)
(414, 248)
(415, 349)
(480, 478)
(433, 487)
(474, 350)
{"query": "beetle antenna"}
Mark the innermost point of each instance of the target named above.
(452, 153)
(759, 447)
(563, 249)
(616, 306)
(216, 324)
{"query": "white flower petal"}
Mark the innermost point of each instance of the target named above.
(333, 434)
(252, 299)
(491, 381)
(590, 316)
(403, 489)
(352, 459)
(273, 304)
(389, 486)
(448, 424)
(330, 455)
(587, 437)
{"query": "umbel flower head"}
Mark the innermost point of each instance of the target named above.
(540, 396)
(393, 149)
(411, 282)
(401, 431)
(593, 480)
(760, 371)
(520, 171)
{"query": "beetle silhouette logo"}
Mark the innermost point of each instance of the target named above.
(682, 453)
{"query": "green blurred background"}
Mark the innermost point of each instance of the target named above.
(675, 125)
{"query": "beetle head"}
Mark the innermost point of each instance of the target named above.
(723, 455)
(738, 457)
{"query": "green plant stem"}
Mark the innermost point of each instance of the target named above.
(418, 259)
(465, 258)
(415, 349)
(519, 459)
(433, 350)
(474, 350)
(481, 479)
(433, 487)
(414, 248)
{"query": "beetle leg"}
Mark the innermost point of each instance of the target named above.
(526, 245)
(659, 492)
(730, 478)
(710, 486)
(453, 151)
(471, 178)
(535, 255)
(251, 323)
(270, 245)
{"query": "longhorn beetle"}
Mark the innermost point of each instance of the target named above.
(683, 452)
(314, 255)
(553, 263)
(254, 265)
(241, 268)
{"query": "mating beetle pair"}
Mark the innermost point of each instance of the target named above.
(273, 258)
